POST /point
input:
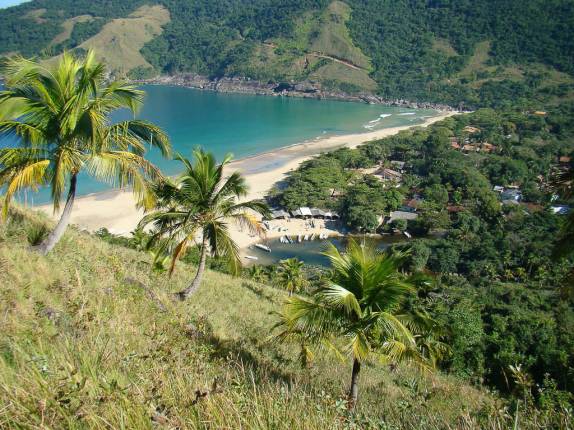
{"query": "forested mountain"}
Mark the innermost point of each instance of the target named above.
(481, 52)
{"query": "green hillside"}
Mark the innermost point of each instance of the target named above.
(480, 53)
(92, 339)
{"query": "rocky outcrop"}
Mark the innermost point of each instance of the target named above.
(305, 89)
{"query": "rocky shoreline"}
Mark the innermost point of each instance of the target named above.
(306, 89)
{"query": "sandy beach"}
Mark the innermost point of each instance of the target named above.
(116, 209)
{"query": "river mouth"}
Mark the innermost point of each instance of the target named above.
(310, 252)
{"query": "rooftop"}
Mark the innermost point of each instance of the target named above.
(395, 215)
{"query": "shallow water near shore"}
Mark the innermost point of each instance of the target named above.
(310, 252)
(246, 125)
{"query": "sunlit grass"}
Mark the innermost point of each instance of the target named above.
(92, 339)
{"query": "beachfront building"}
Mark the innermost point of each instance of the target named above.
(306, 213)
(302, 212)
(388, 175)
(469, 148)
(470, 129)
(454, 144)
(398, 215)
(331, 215)
(280, 214)
(487, 147)
(317, 213)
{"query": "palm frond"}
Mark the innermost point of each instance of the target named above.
(312, 317)
(30, 175)
(359, 346)
(222, 245)
(256, 206)
(395, 351)
(122, 168)
(340, 298)
(134, 134)
(63, 108)
(177, 253)
(234, 186)
(28, 133)
(250, 222)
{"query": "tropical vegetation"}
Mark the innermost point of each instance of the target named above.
(361, 305)
(482, 294)
(291, 276)
(501, 286)
(480, 53)
(92, 338)
(60, 116)
(202, 202)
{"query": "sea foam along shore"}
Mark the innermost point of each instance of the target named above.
(116, 209)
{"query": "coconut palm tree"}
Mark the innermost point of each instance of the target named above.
(202, 202)
(290, 275)
(60, 115)
(358, 312)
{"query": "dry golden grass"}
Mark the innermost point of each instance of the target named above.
(120, 40)
(68, 27)
(342, 74)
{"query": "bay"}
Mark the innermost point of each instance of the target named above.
(246, 125)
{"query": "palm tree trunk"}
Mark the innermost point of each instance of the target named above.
(54, 237)
(354, 391)
(192, 288)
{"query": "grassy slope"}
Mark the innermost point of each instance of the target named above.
(316, 34)
(83, 346)
(120, 41)
(334, 38)
(68, 27)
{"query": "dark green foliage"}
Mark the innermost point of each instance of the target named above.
(313, 183)
(398, 36)
(500, 290)
(467, 332)
(366, 201)
(218, 38)
(418, 256)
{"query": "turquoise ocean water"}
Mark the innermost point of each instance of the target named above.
(246, 125)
